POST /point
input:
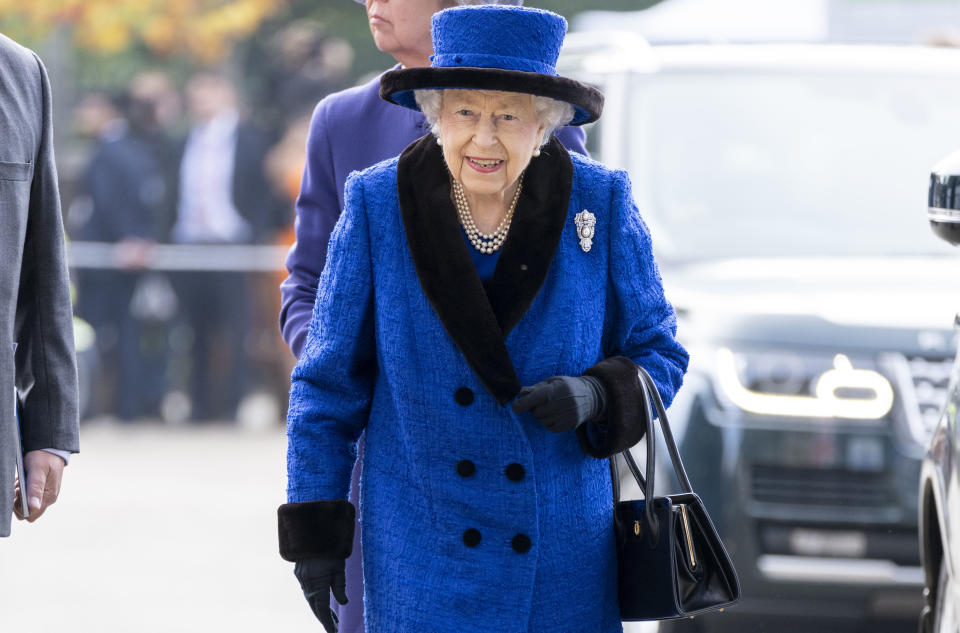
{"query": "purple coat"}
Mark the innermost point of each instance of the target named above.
(350, 131)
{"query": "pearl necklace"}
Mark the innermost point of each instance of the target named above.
(486, 243)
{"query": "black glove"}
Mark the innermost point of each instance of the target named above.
(563, 403)
(318, 577)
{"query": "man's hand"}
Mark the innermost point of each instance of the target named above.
(44, 472)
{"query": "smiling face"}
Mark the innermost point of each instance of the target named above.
(488, 138)
(402, 28)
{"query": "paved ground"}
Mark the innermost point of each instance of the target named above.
(159, 529)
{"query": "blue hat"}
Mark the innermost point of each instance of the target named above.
(507, 48)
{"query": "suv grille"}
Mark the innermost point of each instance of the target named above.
(819, 487)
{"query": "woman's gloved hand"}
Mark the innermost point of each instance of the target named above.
(563, 403)
(318, 577)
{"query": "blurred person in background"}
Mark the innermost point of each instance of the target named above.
(155, 95)
(38, 368)
(157, 88)
(303, 64)
(284, 164)
(352, 130)
(223, 197)
(126, 191)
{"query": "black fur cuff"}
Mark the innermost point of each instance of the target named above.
(316, 529)
(625, 422)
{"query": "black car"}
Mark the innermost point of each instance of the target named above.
(778, 182)
(939, 488)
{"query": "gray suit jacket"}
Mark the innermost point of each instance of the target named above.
(35, 309)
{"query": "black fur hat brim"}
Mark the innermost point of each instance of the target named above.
(397, 86)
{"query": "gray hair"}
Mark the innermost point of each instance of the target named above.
(551, 113)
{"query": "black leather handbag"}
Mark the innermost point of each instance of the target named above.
(671, 561)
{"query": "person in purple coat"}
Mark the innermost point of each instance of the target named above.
(350, 131)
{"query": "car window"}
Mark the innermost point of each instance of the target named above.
(755, 164)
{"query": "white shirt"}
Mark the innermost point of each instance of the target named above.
(205, 211)
(65, 455)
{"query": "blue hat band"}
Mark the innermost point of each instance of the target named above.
(480, 60)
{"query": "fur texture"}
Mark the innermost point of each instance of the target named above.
(625, 422)
(476, 323)
(316, 529)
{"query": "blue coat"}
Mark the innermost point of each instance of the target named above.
(475, 518)
(350, 130)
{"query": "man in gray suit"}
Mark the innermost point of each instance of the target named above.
(36, 319)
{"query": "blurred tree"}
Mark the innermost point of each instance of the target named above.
(203, 30)
(106, 42)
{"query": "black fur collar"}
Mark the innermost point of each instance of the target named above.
(477, 324)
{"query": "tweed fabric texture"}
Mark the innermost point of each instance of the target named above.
(476, 320)
(511, 38)
(378, 358)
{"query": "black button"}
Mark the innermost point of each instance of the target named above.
(471, 538)
(516, 472)
(463, 396)
(466, 468)
(520, 543)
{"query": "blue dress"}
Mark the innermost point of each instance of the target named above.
(476, 519)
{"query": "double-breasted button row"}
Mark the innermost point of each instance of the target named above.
(520, 543)
(514, 472)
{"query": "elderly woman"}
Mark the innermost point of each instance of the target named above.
(482, 259)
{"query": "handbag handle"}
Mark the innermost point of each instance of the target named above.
(652, 401)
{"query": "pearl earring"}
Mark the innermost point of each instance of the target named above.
(439, 141)
(536, 152)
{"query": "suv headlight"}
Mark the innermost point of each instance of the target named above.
(797, 386)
